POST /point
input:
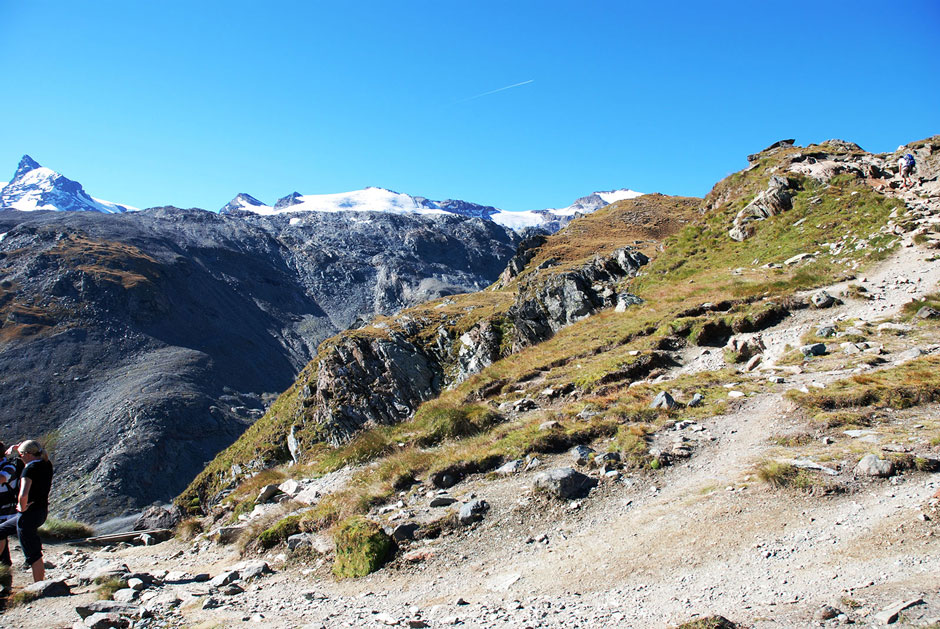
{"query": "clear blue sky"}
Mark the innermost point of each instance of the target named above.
(189, 103)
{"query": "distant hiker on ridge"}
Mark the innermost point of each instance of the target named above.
(905, 168)
(32, 505)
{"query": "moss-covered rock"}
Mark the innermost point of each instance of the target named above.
(279, 533)
(361, 547)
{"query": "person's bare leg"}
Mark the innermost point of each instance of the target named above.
(39, 570)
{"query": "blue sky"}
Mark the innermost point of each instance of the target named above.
(189, 103)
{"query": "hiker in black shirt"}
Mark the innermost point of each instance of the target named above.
(32, 505)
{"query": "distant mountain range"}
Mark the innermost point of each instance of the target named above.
(35, 187)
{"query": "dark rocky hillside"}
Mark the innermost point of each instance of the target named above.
(139, 345)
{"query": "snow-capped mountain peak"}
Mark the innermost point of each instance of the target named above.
(375, 199)
(35, 187)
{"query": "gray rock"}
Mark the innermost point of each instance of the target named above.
(299, 540)
(404, 531)
(697, 400)
(822, 299)
(564, 483)
(290, 487)
(48, 588)
(910, 354)
(136, 583)
(825, 331)
(473, 511)
(871, 465)
(442, 501)
(826, 612)
(252, 569)
(224, 578)
(102, 570)
(752, 363)
(125, 595)
(549, 425)
(582, 454)
(663, 400)
(158, 518)
(106, 621)
(928, 313)
(608, 459)
(211, 603)
(510, 467)
(625, 300)
(267, 492)
(107, 607)
(232, 589)
(813, 349)
(229, 534)
(890, 614)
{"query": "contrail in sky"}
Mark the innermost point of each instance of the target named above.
(502, 89)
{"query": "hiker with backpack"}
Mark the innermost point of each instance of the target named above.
(905, 168)
(32, 505)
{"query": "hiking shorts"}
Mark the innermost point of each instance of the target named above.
(26, 526)
(906, 170)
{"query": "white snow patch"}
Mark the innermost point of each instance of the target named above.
(517, 220)
(293, 221)
(613, 196)
(367, 200)
(3, 235)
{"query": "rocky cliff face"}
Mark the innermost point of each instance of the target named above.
(367, 378)
(139, 345)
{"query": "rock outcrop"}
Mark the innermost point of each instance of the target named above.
(364, 379)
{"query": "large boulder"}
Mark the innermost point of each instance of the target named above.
(158, 517)
(361, 547)
(564, 483)
(871, 465)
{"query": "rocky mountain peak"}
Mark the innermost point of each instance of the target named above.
(242, 201)
(292, 199)
(26, 164)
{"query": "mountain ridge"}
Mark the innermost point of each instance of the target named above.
(35, 187)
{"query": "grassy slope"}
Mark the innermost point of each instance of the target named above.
(699, 263)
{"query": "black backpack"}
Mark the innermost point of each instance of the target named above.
(9, 491)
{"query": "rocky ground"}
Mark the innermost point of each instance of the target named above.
(699, 538)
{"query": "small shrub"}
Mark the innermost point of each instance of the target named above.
(57, 529)
(783, 475)
(279, 533)
(108, 587)
(361, 547)
(188, 529)
(6, 576)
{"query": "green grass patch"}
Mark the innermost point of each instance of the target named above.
(785, 475)
(59, 529)
(911, 384)
(106, 589)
